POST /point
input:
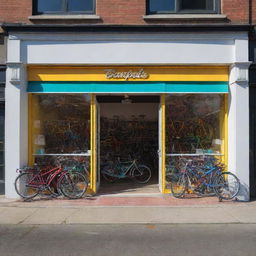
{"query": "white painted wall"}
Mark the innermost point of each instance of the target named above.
(128, 52)
(16, 128)
(238, 127)
(133, 49)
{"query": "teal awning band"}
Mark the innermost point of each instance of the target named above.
(128, 87)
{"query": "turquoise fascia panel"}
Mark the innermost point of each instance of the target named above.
(128, 87)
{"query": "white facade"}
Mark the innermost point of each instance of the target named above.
(223, 48)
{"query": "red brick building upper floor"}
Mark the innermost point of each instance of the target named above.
(136, 12)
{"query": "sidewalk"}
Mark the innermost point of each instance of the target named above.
(123, 210)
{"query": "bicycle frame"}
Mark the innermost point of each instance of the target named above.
(123, 170)
(205, 175)
(38, 180)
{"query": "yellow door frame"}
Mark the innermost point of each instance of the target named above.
(31, 158)
(93, 145)
(163, 146)
(93, 140)
(223, 132)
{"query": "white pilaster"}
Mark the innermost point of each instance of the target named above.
(238, 123)
(16, 125)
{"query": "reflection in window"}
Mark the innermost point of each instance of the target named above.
(194, 124)
(183, 6)
(197, 5)
(60, 127)
(49, 6)
(61, 124)
(63, 6)
(2, 114)
(194, 131)
(79, 5)
(161, 6)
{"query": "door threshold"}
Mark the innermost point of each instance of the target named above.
(158, 194)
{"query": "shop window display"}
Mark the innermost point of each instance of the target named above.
(194, 128)
(60, 127)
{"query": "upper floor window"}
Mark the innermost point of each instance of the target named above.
(63, 6)
(183, 6)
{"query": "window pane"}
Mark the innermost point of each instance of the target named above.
(197, 5)
(194, 130)
(2, 90)
(61, 129)
(1, 173)
(2, 75)
(49, 6)
(194, 124)
(61, 124)
(161, 5)
(1, 123)
(80, 5)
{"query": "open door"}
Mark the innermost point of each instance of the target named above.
(161, 144)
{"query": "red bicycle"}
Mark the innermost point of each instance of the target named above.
(50, 180)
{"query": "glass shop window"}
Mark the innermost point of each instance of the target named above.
(2, 114)
(60, 127)
(195, 128)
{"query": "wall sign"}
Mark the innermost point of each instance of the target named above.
(113, 74)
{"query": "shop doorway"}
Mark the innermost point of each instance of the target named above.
(128, 130)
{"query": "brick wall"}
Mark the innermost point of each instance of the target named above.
(119, 11)
(236, 10)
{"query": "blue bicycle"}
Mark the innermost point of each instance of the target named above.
(204, 180)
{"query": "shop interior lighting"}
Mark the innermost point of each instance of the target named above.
(126, 100)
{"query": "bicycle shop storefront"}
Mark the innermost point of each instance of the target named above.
(95, 115)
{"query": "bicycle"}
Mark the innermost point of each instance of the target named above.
(55, 180)
(126, 169)
(201, 180)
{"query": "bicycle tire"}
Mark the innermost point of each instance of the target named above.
(141, 174)
(226, 185)
(73, 185)
(108, 177)
(178, 184)
(21, 188)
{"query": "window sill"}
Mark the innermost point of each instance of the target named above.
(185, 17)
(65, 17)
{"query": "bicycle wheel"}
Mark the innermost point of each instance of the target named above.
(108, 175)
(23, 185)
(226, 185)
(142, 174)
(73, 185)
(178, 184)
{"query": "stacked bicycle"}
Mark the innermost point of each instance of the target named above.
(51, 181)
(204, 179)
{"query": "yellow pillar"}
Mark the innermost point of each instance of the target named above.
(93, 146)
(31, 158)
(163, 134)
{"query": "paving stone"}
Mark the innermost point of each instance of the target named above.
(243, 214)
(15, 215)
(150, 215)
(49, 216)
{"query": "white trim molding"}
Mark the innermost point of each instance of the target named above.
(239, 72)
